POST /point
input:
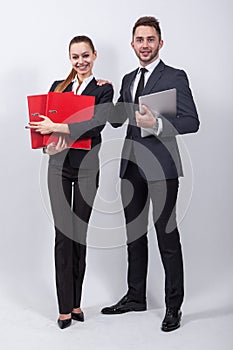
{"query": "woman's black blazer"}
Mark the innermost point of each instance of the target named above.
(87, 129)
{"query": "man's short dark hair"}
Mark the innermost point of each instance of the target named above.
(148, 21)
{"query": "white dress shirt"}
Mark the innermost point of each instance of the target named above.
(83, 85)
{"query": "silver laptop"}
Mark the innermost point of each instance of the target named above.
(163, 103)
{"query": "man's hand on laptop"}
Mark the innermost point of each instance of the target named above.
(147, 119)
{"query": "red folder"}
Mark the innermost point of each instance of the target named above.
(36, 106)
(61, 108)
(69, 108)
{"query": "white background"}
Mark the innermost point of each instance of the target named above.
(34, 52)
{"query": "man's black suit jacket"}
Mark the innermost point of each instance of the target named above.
(158, 157)
(87, 129)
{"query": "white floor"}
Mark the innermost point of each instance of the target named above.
(29, 309)
(33, 327)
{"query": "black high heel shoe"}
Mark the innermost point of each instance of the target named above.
(78, 316)
(64, 323)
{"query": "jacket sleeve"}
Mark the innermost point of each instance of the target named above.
(91, 128)
(186, 119)
(119, 113)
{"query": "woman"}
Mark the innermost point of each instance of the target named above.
(73, 177)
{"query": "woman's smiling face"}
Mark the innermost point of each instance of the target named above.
(82, 59)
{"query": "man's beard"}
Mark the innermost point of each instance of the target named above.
(150, 58)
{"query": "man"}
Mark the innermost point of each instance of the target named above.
(152, 166)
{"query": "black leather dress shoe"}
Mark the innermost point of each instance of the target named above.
(78, 316)
(171, 320)
(124, 305)
(64, 323)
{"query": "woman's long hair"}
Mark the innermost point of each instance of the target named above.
(77, 39)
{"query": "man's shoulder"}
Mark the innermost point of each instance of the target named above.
(169, 69)
(130, 74)
(174, 71)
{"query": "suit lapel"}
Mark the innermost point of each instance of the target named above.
(90, 87)
(128, 84)
(154, 78)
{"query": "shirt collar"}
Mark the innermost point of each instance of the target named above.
(150, 67)
(85, 81)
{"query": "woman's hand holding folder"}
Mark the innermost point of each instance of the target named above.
(46, 126)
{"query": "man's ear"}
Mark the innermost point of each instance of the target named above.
(161, 44)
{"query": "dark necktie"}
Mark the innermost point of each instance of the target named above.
(140, 85)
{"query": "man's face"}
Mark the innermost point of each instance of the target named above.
(146, 44)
